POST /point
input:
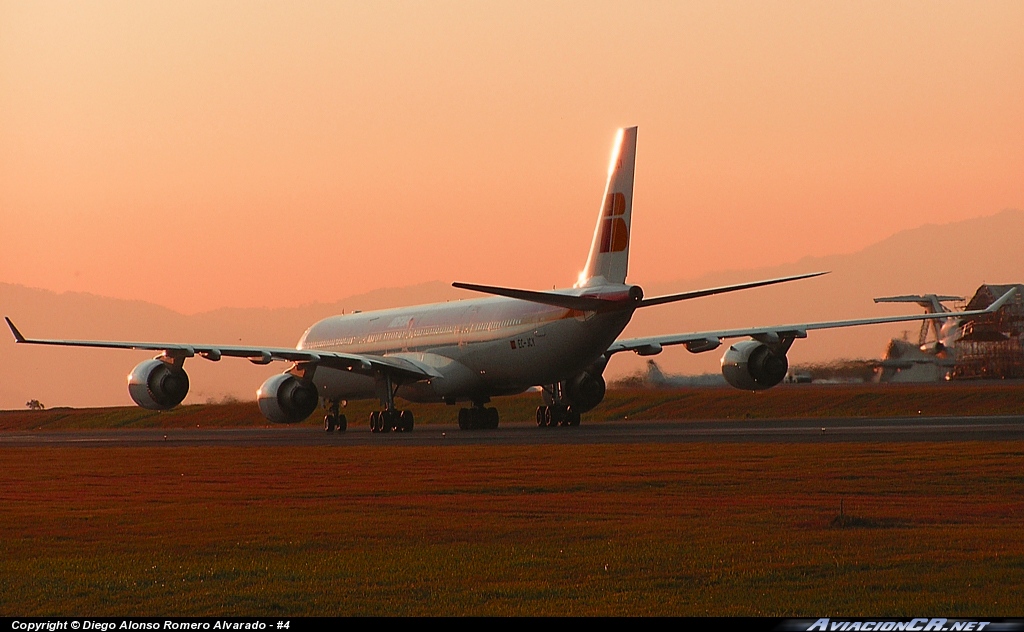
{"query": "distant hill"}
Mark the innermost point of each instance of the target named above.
(952, 258)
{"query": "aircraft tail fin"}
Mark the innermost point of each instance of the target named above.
(609, 251)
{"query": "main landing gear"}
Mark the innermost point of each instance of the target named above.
(390, 419)
(557, 415)
(334, 419)
(478, 418)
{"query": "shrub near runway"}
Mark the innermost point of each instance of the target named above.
(589, 530)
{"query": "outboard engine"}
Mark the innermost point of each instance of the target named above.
(287, 399)
(584, 392)
(157, 385)
(754, 366)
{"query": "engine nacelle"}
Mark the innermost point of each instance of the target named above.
(584, 392)
(157, 385)
(286, 399)
(753, 366)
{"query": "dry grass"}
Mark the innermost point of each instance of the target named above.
(685, 529)
(787, 401)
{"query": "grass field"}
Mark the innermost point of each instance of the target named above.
(786, 401)
(685, 529)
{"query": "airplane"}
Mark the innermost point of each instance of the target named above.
(926, 361)
(473, 350)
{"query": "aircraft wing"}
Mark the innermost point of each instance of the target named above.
(698, 342)
(357, 363)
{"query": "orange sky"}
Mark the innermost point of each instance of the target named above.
(209, 154)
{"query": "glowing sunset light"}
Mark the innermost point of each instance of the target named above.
(615, 152)
(207, 155)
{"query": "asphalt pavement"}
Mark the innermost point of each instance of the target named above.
(994, 428)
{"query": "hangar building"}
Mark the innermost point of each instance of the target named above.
(990, 346)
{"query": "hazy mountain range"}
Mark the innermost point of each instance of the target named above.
(952, 258)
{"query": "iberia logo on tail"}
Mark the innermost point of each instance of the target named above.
(614, 231)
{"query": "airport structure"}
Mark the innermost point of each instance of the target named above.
(987, 346)
(990, 344)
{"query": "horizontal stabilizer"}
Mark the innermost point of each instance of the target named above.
(920, 299)
(582, 303)
(672, 298)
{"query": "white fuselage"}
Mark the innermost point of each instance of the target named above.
(476, 348)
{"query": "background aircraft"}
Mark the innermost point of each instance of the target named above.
(470, 351)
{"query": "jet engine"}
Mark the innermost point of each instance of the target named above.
(584, 392)
(287, 399)
(754, 366)
(157, 385)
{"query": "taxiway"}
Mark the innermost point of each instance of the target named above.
(990, 428)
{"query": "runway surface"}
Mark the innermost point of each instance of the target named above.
(996, 428)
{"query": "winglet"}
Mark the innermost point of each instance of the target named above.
(994, 307)
(14, 330)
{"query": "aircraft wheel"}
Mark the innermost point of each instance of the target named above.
(329, 423)
(492, 418)
(541, 412)
(572, 418)
(405, 421)
(375, 421)
(341, 423)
